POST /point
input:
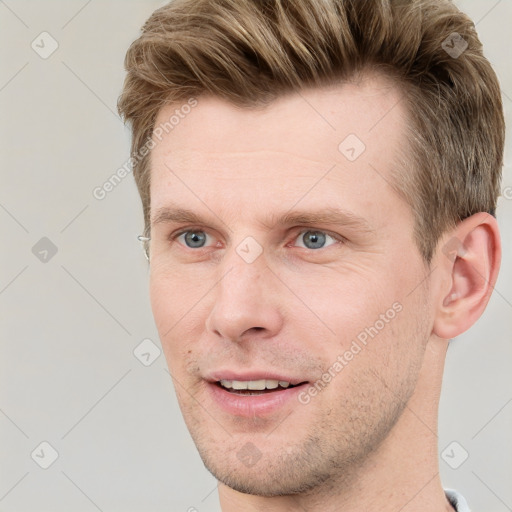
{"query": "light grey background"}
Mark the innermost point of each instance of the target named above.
(69, 325)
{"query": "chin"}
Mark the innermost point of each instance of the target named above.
(282, 473)
(265, 484)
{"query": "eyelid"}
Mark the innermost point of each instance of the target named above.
(176, 234)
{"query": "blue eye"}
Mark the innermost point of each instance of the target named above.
(311, 239)
(194, 239)
(314, 239)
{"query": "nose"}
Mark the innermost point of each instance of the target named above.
(245, 302)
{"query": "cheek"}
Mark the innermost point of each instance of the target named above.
(372, 316)
(348, 301)
(173, 294)
(162, 294)
(178, 311)
(395, 336)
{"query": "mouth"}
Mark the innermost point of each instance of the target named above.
(255, 387)
(254, 395)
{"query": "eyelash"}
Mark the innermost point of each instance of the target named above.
(338, 238)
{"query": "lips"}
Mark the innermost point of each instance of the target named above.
(253, 376)
(253, 394)
(254, 385)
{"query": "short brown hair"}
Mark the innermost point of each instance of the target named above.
(252, 51)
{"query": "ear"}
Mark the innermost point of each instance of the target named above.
(469, 258)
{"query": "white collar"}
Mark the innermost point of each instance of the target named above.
(457, 500)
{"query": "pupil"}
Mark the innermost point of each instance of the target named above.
(313, 239)
(195, 239)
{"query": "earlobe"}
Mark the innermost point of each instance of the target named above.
(469, 258)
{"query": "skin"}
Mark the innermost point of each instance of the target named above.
(368, 440)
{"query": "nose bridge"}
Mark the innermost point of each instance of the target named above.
(243, 297)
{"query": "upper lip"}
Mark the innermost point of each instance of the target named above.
(216, 376)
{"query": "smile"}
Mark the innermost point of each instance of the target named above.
(250, 398)
(254, 387)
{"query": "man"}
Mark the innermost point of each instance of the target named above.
(319, 180)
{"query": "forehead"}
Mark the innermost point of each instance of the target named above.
(342, 139)
(358, 106)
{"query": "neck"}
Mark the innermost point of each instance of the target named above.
(402, 474)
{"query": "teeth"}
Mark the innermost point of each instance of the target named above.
(271, 384)
(238, 384)
(256, 385)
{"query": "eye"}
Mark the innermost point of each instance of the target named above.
(310, 239)
(314, 239)
(194, 239)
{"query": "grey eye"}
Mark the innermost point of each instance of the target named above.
(313, 239)
(194, 239)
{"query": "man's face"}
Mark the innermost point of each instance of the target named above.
(336, 309)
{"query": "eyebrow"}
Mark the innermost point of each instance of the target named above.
(329, 215)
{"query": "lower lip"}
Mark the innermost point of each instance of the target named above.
(253, 405)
